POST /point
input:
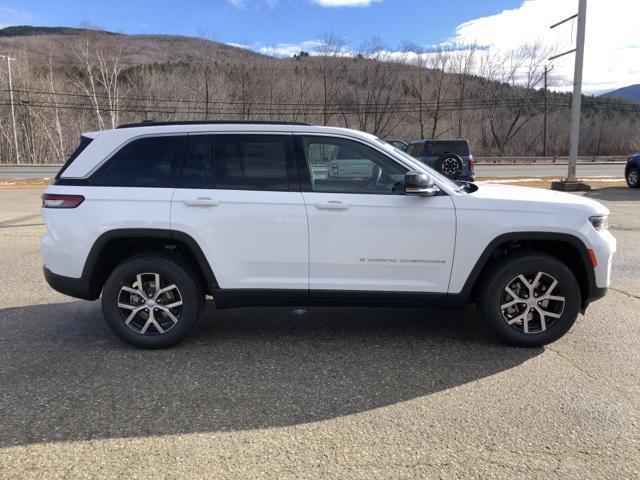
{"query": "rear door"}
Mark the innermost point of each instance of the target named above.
(239, 198)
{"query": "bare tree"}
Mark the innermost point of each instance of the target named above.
(462, 66)
(511, 98)
(329, 48)
(99, 61)
(372, 91)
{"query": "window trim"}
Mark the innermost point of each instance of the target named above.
(305, 174)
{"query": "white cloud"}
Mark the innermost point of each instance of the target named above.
(246, 46)
(240, 4)
(345, 3)
(612, 38)
(289, 49)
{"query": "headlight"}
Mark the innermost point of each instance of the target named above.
(600, 223)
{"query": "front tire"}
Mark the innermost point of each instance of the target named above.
(633, 177)
(152, 301)
(529, 300)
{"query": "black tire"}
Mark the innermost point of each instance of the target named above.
(450, 165)
(492, 296)
(172, 273)
(632, 176)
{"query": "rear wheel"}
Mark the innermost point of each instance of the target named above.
(151, 301)
(633, 177)
(529, 300)
(450, 165)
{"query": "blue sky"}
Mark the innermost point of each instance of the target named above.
(286, 26)
(263, 22)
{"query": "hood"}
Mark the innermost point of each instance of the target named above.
(527, 198)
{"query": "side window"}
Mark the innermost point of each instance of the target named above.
(197, 167)
(251, 162)
(146, 162)
(346, 166)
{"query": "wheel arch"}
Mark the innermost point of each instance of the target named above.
(114, 246)
(567, 248)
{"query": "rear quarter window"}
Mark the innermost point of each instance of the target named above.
(145, 162)
(84, 143)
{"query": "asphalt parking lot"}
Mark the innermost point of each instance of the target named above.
(331, 393)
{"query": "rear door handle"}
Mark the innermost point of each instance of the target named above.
(333, 205)
(201, 202)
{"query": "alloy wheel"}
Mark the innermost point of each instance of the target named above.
(532, 302)
(149, 304)
(450, 167)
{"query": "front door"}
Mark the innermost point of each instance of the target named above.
(365, 233)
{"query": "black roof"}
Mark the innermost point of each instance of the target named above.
(152, 123)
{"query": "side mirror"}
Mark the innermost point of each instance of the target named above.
(418, 183)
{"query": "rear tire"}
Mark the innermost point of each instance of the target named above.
(633, 177)
(152, 301)
(529, 300)
(450, 165)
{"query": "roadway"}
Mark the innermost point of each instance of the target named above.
(536, 170)
(330, 393)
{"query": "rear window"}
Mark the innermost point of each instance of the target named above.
(146, 162)
(440, 148)
(250, 162)
(84, 143)
(416, 149)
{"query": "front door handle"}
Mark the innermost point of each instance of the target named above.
(201, 202)
(333, 205)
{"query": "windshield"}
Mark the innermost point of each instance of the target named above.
(420, 166)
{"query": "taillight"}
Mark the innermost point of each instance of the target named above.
(54, 200)
(472, 164)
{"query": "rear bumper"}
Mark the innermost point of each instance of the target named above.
(73, 287)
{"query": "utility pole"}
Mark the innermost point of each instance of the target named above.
(544, 120)
(13, 108)
(571, 182)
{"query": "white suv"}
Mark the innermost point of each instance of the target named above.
(154, 217)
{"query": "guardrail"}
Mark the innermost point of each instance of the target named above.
(558, 160)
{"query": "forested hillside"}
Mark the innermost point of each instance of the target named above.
(65, 81)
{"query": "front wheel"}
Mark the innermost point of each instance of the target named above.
(633, 177)
(152, 301)
(529, 300)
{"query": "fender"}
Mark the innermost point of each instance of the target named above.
(592, 291)
(88, 272)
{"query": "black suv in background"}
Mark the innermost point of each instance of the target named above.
(451, 157)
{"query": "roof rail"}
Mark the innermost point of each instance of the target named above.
(153, 123)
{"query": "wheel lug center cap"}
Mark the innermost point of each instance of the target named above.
(151, 303)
